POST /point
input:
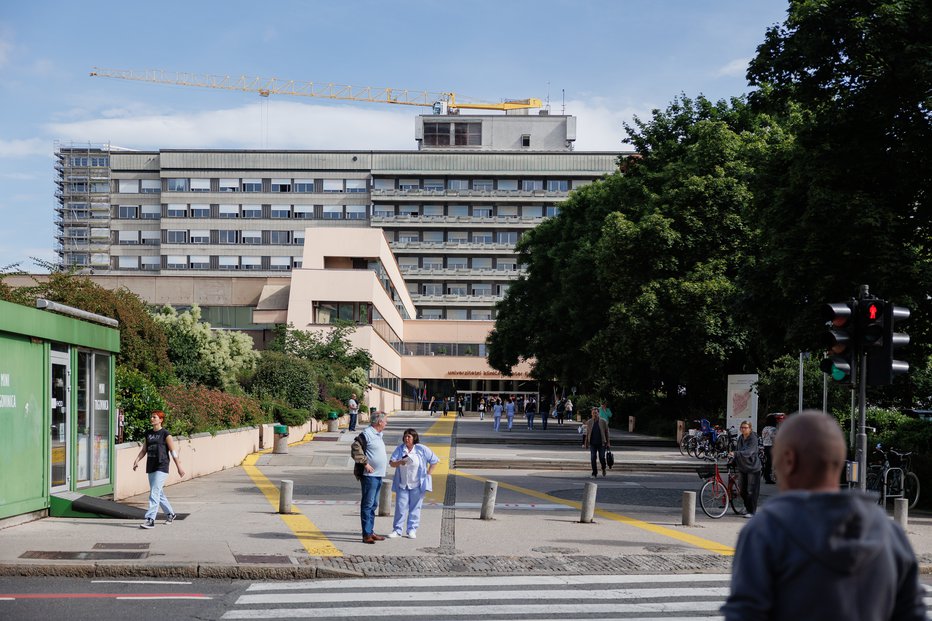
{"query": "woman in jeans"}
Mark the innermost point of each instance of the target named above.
(159, 446)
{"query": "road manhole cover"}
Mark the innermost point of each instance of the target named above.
(554, 550)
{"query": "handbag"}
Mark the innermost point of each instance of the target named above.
(609, 459)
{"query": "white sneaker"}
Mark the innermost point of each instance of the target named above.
(394, 534)
(748, 515)
(412, 534)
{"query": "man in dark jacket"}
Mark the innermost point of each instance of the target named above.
(815, 552)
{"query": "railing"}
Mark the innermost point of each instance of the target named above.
(421, 192)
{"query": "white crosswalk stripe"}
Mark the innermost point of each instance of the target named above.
(644, 597)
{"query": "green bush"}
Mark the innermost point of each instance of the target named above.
(138, 398)
(284, 378)
(197, 409)
(284, 414)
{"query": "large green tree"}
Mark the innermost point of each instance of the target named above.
(632, 287)
(847, 202)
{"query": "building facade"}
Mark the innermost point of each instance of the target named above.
(451, 211)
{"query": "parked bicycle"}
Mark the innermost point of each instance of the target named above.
(716, 495)
(893, 477)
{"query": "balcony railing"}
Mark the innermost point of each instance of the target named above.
(459, 300)
(461, 272)
(452, 246)
(420, 193)
(445, 221)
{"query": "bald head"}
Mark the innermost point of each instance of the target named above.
(809, 452)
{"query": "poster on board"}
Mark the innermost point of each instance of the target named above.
(741, 401)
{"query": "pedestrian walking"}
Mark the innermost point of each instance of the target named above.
(510, 411)
(561, 410)
(767, 435)
(747, 460)
(371, 480)
(461, 407)
(530, 409)
(159, 448)
(482, 409)
(596, 439)
(815, 552)
(433, 405)
(543, 409)
(605, 412)
(353, 411)
(569, 409)
(413, 463)
(497, 414)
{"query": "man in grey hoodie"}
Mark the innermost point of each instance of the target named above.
(815, 552)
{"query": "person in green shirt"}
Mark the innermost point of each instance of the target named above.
(605, 413)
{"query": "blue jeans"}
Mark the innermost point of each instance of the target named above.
(497, 420)
(408, 503)
(157, 495)
(530, 421)
(352, 421)
(370, 500)
(511, 420)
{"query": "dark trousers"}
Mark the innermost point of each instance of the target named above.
(768, 464)
(560, 417)
(600, 451)
(352, 421)
(544, 415)
(750, 489)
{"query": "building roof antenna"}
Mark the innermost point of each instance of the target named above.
(563, 94)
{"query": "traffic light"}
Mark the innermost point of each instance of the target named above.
(871, 322)
(840, 340)
(881, 367)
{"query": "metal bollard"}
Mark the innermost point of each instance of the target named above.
(284, 496)
(385, 499)
(689, 508)
(901, 511)
(488, 500)
(588, 503)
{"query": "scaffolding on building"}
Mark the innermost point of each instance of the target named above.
(82, 220)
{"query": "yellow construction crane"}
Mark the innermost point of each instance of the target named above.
(440, 102)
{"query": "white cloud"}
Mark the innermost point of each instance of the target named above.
(279, 125)
(734, 69)
(25, 147)
(600, 125)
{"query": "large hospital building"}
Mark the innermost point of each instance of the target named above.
(415, 247)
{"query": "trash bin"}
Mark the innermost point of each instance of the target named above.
(333, 422)
(630, 424)
(281, 440)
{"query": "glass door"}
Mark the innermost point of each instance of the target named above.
(59, 430)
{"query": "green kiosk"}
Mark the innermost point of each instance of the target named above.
(56, 408)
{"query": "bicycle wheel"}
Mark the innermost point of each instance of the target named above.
(737, 502)
(684, 445)
(713, 497)
(911, 490)
(873, 485)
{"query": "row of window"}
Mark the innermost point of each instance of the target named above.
(456, 314)
(454, 237)
(188, 184)
(102, 161)
(458, 133)
(206, 262)
(457, 263)
(479, 185)
(475, 211)
(478, 289)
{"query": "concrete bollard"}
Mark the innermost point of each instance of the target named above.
(488, 500)
(901, 511)
(689, 508)
(284, 496)
(588, 503)
(385, 498)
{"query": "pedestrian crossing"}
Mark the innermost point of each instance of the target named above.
(644, 597)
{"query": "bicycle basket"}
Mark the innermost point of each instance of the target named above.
(706, 473)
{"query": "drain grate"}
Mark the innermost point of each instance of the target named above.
(121, 546)
(110, 555)
(276, 559)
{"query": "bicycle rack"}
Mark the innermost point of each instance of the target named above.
(886, 484)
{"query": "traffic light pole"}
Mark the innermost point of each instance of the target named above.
(862, 421)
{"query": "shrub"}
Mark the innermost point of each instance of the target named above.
(284, 378)
(197, 409)
(284, 414)
(137, 397)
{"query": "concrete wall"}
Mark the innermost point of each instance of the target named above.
(202, 454)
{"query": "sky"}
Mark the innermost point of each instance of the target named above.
(603, 61)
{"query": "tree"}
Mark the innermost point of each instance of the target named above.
(639, 270)
(143, 345)
(847, 201)
(213, 358)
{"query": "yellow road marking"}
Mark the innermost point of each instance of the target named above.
(311, 537)
(699, 542)
(442, 428)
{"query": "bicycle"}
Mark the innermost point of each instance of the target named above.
(715, 495)
(893, 478)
